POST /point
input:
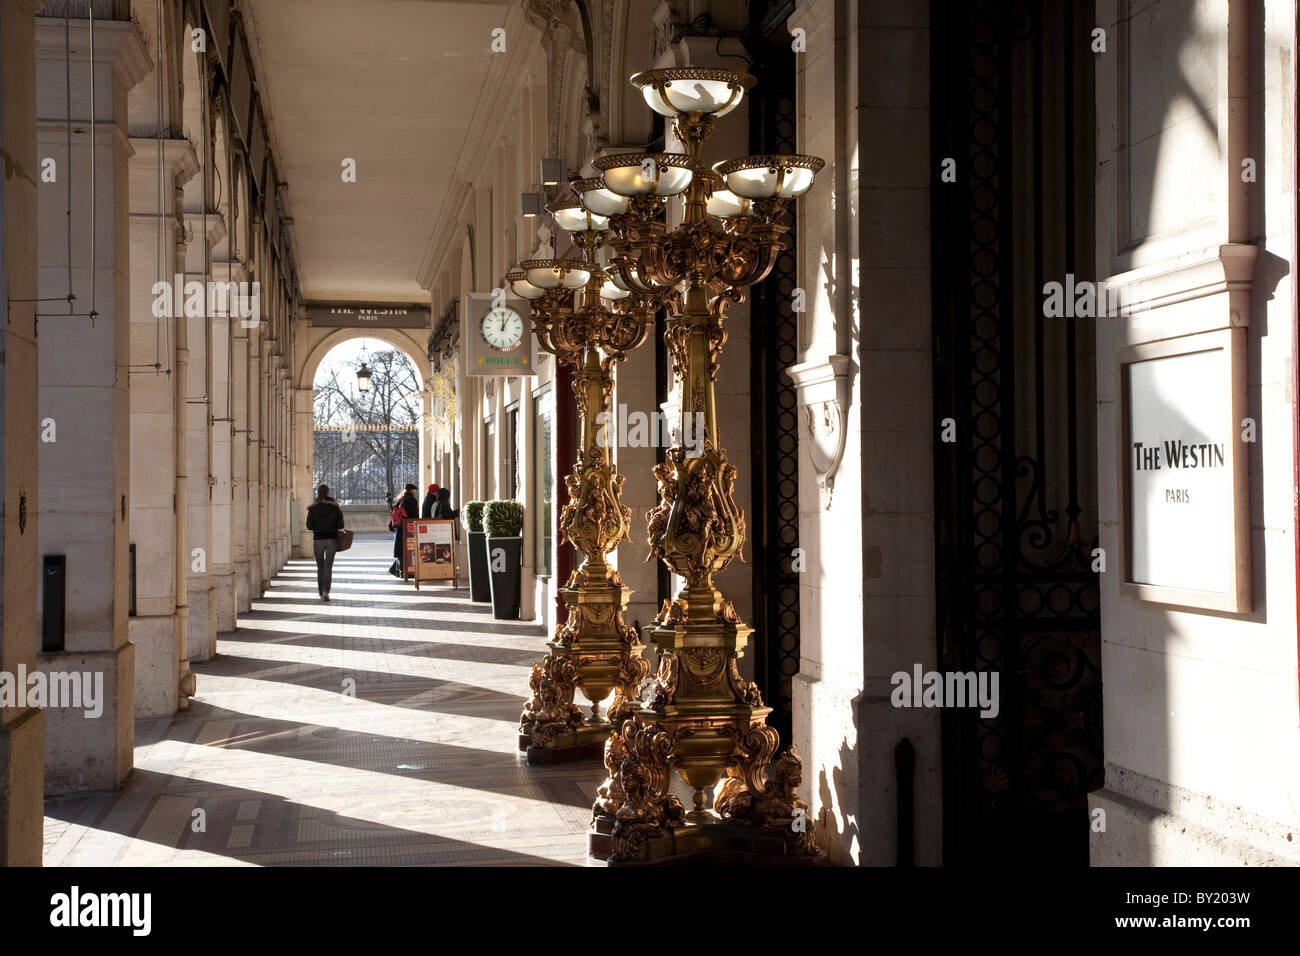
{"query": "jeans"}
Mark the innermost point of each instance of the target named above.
(325, 549)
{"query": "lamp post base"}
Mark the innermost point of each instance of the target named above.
(586, 742)
(711, 842)
(593, 653)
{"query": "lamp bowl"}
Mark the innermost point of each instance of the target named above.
(769, 177)
(692, 89)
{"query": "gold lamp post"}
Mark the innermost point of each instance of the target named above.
(593, 651)
(703, 720)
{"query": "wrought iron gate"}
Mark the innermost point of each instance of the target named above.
(774, 523)
(1017, 593)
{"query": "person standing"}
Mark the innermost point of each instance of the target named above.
(442, 508)
(431, 499)
(410, 506)
(324, 521)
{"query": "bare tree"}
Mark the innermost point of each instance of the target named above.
(393, 401)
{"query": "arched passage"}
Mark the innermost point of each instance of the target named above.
(318, 343)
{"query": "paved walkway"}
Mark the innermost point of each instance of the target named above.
(420, 768)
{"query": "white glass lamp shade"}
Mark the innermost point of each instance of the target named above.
(725, 204)
(616, 277)
(646, 174)
(769, 177)
(571, 216)
(555, 273)
(609, 289)
(594, 196)
(517, 279)
(692, 89)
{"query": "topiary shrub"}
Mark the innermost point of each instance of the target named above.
(473, 515)
(503, 519)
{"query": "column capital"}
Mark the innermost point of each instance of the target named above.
(116, 42)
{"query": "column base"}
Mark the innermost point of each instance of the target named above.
(714, 842)
(154, 638)
(22, 775)
(95, 750)
(243, 586)
(201, 630)
(586, 742)
(223, 591)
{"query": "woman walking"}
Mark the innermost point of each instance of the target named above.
(324, 521)
(410, 507)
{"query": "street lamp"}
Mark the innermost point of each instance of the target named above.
(703, 720)
(363, 378)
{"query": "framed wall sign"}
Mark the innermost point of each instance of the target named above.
(435, 550)
(498, 335)
(353, 316)
(1183, 471)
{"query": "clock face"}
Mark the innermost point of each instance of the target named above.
(502, 328)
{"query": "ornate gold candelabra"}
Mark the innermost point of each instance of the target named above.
(593, 651)
(703, 720)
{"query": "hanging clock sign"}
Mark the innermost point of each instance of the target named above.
(497, 333)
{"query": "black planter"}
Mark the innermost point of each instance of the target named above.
(505, 580)
(480, 588)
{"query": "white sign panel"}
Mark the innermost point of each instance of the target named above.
(1178, 460)
(1186, 528)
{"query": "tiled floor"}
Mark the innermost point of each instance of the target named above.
(420, 767)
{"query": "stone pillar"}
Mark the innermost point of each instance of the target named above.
(304, 403)
(256, 510)
(201, 629)
(425, 424)
(222, 557)
(22, 729)
(240, 462)
(84, 471)
(157, 426)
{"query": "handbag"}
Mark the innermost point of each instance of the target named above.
(397, 516)
(344, 539)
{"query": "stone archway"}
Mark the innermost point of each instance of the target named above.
(317, 343)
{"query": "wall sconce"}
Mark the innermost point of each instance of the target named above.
(552, 171)
(532, 204)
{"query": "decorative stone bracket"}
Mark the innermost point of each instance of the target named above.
(825, 390)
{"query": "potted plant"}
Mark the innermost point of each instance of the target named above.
(480, 588)
(503, 525)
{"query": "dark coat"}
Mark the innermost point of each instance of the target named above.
(325, 519)
(412, 509)
(426, 509)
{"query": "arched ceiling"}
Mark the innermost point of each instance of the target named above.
(391, 84)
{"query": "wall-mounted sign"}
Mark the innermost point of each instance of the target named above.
(498, 335)
(352, 316)
(1185, 493)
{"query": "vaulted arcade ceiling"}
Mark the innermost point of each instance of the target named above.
(390, 84)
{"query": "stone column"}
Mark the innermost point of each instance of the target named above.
(157, 424)
(304, 402)
(22, 728)
(201, 629)
(84, 468)
(240, 461)
(256, 387)
(222, 556)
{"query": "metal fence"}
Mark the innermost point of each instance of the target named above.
(366, 464)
